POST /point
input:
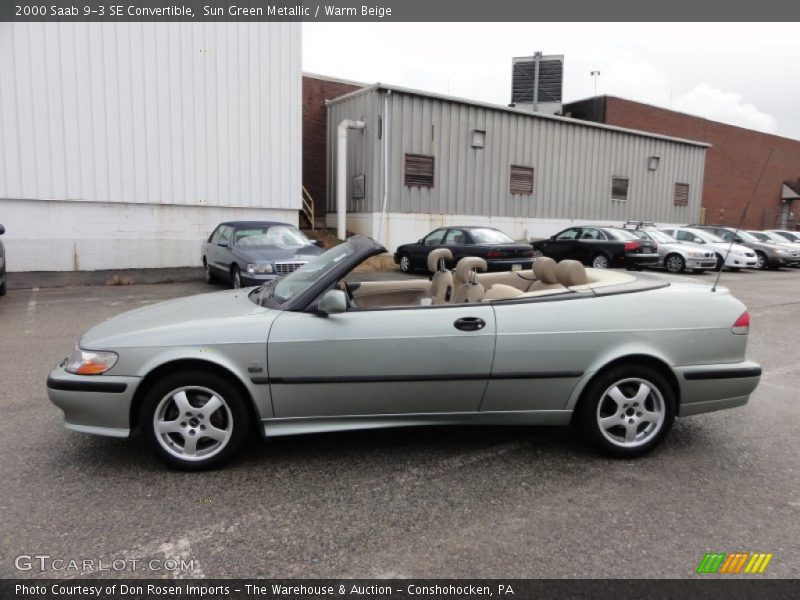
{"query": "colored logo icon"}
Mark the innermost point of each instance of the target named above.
(734, 563)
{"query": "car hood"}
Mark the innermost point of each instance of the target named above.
(277, 252)
(157, 324)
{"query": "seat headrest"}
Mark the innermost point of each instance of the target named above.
(571, 272)
(436, 256)
(544, 269)
(466, 265)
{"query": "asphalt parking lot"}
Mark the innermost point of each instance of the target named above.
(462, 502)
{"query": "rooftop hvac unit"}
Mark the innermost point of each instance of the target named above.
(537, 82)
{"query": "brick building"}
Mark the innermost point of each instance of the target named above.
(316, 90)
(733, 162)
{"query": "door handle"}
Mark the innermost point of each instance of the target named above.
(469, 324)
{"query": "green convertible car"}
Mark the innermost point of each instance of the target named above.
(619, 354)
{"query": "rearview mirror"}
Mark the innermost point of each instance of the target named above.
(332, 302)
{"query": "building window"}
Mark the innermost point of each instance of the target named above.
(681, 194)
(418, 170)
(359, 187)
(521, 181)
(619, 188)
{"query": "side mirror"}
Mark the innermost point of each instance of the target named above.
(332, 302)
(421, 241)
(2, 230)
(314, 242)
(698, 241)
(223, 244)
(737, 239)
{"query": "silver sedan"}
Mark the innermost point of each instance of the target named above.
(620, 354)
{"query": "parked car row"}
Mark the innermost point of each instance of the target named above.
(245, 253)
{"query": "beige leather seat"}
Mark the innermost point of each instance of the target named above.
(501, 291)
(570, 273)
(466, 288)
(544, 269)
(442, 280)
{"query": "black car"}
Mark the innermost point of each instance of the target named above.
(499, 250)
(599, 247)
(252, 252)
(2, 265)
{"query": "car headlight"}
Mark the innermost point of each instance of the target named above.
(90, 362)
(266, 268)
(781, 252)
(695, 255)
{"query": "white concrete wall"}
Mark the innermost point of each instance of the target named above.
(404, 228)
(57, 235)
(123, 144)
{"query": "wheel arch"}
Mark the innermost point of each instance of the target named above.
(175, 365)
(649, 359)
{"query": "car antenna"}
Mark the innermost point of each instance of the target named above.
(741, 219)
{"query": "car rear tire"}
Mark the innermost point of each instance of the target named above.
(627, 410)
(674, 263)
(761, 261)
(194, 420)
(600, 261)
(3, 286)
(236, 277)
(537, 253)
(207, 274)
(405, 263)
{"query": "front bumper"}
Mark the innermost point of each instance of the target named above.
(741, 262)
(251, 279)
(98, 404)
(706, 388)
(701, 263)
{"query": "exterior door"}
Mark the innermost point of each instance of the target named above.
(419, 252)
(563, 245)
(362, 362)
(220, 255)
(457, 240)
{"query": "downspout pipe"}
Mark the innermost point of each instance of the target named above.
(341, 174)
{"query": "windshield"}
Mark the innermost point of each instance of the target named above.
(761, 237)
(704, 235)
(276, 235)
(788, 235)
(626, 234)
(660, 237)
(747, 237)
(490, 236)
(297, 282)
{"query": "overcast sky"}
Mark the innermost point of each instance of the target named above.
(744, 74)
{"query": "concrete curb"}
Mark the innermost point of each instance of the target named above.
(55, 279)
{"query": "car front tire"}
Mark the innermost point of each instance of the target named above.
(208, 276)
(761, 261)
(674, 263)
(3, 286)
(194, 420)
(405, 263)
(236, 277)
(627, 410)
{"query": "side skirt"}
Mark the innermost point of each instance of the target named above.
(301, 425)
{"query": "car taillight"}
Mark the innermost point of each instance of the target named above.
(529, 253)
(631, 246)
(742, 324)
(494, 254)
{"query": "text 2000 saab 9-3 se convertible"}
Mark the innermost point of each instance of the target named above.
(620, 354)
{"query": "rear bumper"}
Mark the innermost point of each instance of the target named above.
(706, 388)
(640, 260)
(506, 264)
(98, 404)
(701, 263)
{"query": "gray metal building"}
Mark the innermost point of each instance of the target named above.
(424, 160)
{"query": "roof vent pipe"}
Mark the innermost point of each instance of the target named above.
(341, 174)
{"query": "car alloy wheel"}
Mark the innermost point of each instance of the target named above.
(600, 261)
(405, 263)
(194, 420)
(192, 423)
(631, 412)
(537, 253)
(761, 260)
(675, 263)
(236, 278)
(627, 410)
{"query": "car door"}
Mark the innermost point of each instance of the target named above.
(220, 251)
(590, 241)
(384, 361)
(458, 241)
(562, 245)
(419, 252)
